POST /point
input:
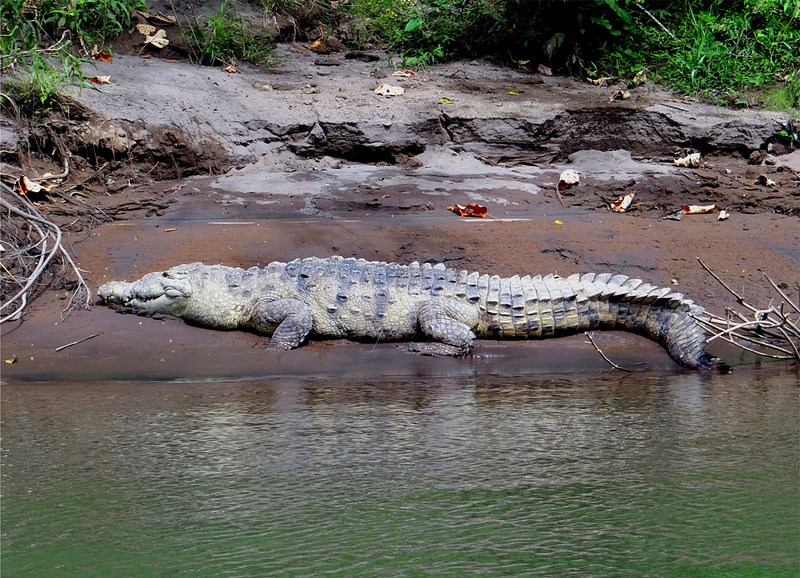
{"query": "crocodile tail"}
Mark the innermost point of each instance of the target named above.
(537, 307)
(656, 312)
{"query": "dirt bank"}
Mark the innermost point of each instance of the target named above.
(179, 163)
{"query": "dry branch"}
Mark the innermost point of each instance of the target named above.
(768, 332)
(32, 247)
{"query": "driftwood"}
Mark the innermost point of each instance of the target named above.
(31, 247)
(771, 331)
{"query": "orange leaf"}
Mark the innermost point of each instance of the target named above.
(622, 203)
(471, 210)
(698, 209)
(105, 57)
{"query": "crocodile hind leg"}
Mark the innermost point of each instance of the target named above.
(289, 321)
(449, 324)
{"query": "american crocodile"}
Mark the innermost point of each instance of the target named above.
(369, 300)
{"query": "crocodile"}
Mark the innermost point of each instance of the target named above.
(447, 308)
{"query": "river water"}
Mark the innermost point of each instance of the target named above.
(655, 474)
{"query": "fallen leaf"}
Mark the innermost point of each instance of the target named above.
(568, 178)
(639, 78)
(100, 80)
(514, 92)
(602, 81)
(691, 160)
(546, 70)
(162, 19)
(766, 181)
(145, 29)
(558, 222)
(230, 69)
(159, 39)
(619, 95)
(13, 359)
(389, 90)
(471, 210)
(445, 100)
(24, 185)
(170, 230)
(673, 216)
(404, 73)
(105, 57)
(698, 209)
(622, 203)
(723, 215)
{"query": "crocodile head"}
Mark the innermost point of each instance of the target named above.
(169, 292)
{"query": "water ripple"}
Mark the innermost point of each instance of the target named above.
(663, 476)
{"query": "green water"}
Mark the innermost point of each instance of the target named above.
(649, 475)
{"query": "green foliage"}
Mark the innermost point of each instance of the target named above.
(223, 38)
(92, 21)
(712, 47)
(37, 69)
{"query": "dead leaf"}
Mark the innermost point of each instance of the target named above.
(230, 69)
(404, 73)
(105, 57)
(514, 92)
(602, 81)
(100, 80)
(622, 203)
(546, 70)
(723, 215)
(389, 90)
(24, 185)
(145, 29)
(691, 160)
(558, 222)
(12, 359)
(765, 181)
(639, 78)
(162, 19)
(619, 95)
(698, 209)
(445, 100)
(159, 39)
(471, 210)
(568, 178)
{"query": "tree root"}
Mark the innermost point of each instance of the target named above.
(31, 244)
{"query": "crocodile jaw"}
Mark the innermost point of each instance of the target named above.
(153, 293)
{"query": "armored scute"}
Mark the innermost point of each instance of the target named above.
(448, 308)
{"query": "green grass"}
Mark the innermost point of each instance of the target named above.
(224, 38)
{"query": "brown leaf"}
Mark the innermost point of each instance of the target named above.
(470, 210)
(622, 203)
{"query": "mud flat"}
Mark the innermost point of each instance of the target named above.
(303, 160)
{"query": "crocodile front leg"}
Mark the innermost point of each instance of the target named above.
(288, 320)
(449, 323)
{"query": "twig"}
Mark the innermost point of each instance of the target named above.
(603, 355)
(560, 198)
(770, 328)
(654, 19)
(78, 341)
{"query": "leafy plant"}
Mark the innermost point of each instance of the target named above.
(91, 21)
(223, 38)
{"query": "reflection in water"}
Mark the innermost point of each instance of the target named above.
(670, 475)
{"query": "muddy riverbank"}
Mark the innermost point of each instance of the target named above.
(179, 163)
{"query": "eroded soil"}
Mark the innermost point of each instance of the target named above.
(178, 163)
